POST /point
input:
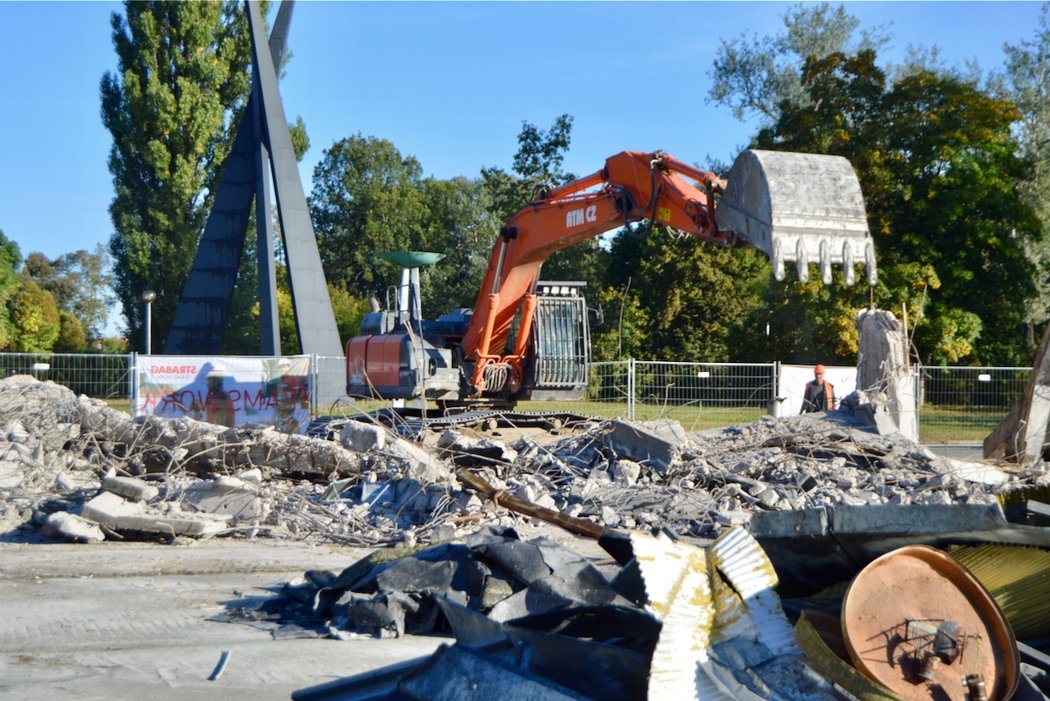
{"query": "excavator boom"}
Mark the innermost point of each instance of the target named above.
(794, 207)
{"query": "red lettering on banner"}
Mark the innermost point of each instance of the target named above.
(173, 369)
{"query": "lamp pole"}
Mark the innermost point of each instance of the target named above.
(148, 296)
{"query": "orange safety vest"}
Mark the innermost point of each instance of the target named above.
(829, 395)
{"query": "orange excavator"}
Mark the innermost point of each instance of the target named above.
(526, 339)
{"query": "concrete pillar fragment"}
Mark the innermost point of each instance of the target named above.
(883, 370)
(1022, 436)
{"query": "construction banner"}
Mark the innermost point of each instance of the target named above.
(226, 391)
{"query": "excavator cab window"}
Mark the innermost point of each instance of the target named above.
(557, 365)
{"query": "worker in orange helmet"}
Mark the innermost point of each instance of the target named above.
(819, 394)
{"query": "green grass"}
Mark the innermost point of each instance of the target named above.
(937, 424)
(947, 424)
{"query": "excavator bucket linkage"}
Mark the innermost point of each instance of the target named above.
(799, 207)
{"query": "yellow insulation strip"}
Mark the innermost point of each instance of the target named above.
(1018, 578)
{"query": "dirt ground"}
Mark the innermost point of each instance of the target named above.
(130, 620)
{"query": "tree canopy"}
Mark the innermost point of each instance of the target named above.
(170, 108)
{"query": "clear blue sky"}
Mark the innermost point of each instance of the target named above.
(449, 83)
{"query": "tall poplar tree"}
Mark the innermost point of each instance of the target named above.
(171, 108)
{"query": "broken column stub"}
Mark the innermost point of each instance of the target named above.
(654, 443)
(1023, 434)
(883, 373)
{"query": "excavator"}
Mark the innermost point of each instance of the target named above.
(527, 339)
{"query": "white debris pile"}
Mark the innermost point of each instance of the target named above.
(79, 470)
(630, 475)
(73, 468)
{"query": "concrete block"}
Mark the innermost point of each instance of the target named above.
(363, 437)
(421, 465)
(11, 474)
(227, 496)
(118, 514)
(656, 444)
(464, 448)
(130, 488)
(972, 471)
(66, 526)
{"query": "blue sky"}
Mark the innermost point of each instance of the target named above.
(449, 83)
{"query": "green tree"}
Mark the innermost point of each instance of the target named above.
(35, 322)
(538, 166)
(80, 283)
(457, 224)
(367, 197)
(170, 107)
(1027, 81)
(10, 282)
(753, 76)
(676, 297)
(71, 335)
(938, 166)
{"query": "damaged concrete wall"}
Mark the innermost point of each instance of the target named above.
(1023, 434)
(883, 371)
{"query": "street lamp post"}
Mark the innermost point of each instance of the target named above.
(148, 296)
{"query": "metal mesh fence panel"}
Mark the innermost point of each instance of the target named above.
(93, 374)
(964, 404)
(956, 404)
(703, 394)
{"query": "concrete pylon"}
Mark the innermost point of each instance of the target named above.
(1023, 435)
(262, 151)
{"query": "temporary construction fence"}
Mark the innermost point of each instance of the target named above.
(956, 404)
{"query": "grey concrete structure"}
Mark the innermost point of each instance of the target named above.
(262, 150)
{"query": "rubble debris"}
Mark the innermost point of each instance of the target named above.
(373, 486)
(1024, 435)
(686, 622)
(655, 443)
(111, 511)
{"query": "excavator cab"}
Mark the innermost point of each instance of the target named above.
(556, 366)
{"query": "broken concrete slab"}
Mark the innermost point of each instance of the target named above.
(227, 496)
(118, 514)
(11, 474)
(656, 443)
(131, 488)
(66, 526)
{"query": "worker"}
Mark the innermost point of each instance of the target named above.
(819, 394)
(289, 392)
(218, 404)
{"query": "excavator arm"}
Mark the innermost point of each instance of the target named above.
(786, 204)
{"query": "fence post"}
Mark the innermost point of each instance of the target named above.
(314, 374)
(133, 382)
(630, 389)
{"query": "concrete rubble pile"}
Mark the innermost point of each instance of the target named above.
(85, 472)
(704, 533)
